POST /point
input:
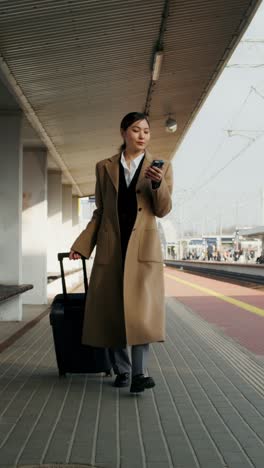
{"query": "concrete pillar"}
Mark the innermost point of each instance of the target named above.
(67, 205)
(76, 226)
(67, 215)
(54, 238)
(34, 225)
(67, 222)
(75, 211)
(10, 209)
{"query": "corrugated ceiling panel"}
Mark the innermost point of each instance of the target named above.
(83, 64)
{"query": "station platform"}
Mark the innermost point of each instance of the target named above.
(206, 411)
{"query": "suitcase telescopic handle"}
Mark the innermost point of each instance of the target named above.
(63, 255)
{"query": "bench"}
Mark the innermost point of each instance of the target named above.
(8, 291)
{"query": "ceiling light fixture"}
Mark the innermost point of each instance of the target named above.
(171, 125)
(158, 57)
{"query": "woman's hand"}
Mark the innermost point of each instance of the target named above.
(74, 255)
(153, 173)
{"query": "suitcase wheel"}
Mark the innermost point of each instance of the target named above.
(108, 373)
(62, 373)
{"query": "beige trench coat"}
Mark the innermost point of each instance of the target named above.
(125, 308)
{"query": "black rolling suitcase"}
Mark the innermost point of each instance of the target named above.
(66, 319)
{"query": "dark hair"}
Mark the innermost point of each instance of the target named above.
(128, 120)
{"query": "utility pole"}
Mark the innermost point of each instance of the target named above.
(262, 207)
(237, 205)
(220, 223)
(236, 214)
(220, 230)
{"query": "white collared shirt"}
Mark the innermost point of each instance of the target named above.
(130, 171)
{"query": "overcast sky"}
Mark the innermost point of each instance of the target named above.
(209, 186)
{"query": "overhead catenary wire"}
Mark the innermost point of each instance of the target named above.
(222, 140)
(248, 65)
(252, 41)
(258, 92)
(194, 192)
(221, 169)
(195, 189)
(245, 65)
(253, 137)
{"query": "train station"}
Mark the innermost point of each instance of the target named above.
(189, 393)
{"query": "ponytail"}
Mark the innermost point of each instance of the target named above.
(122, 148)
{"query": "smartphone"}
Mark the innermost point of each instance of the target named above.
(157, 163)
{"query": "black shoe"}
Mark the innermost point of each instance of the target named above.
(140, 383)
(122, 380)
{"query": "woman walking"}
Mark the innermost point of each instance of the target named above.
(125, 302)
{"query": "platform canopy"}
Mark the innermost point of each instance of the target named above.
(77, 66)
(256, 232)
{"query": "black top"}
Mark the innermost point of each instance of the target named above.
(127, 205)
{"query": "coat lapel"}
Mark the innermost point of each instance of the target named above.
(112, 168)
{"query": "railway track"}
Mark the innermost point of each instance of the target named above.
(245, 279)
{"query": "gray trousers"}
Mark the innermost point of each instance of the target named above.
(122, 363)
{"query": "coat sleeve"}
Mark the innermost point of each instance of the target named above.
(86, 241)
(161, 196)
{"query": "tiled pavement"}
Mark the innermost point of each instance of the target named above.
(207, 409)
